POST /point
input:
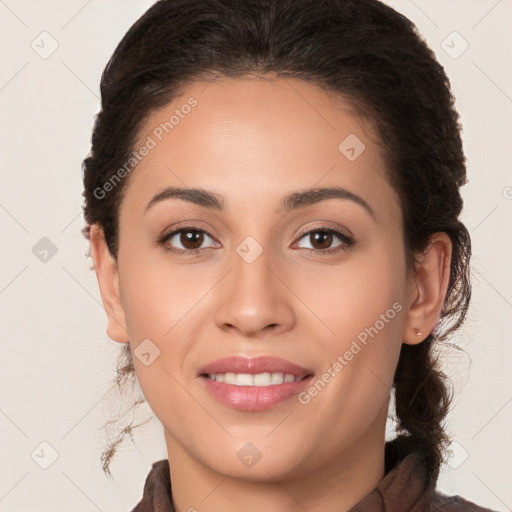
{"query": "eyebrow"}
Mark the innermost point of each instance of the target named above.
(292, 201)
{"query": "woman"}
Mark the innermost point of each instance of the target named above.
(272, 199)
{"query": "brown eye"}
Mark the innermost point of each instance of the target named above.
(320, 239)
(323, 241)
(191, 239)
(186, 241)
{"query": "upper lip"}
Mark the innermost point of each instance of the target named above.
(253, 366)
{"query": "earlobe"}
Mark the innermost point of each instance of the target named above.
(107, 273)
(429, 285)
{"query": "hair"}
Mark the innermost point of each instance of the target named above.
(372, 57)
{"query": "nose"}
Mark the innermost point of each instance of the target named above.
(254, 299)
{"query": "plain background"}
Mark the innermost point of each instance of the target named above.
(57, 363)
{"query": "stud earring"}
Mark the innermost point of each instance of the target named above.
(418, 332)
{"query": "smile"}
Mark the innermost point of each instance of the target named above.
(259, 379)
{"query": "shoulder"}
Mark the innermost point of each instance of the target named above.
(407, 485)
(157, 494)
(442, 502)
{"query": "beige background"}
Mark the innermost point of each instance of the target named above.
(57, 363)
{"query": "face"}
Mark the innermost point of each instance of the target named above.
(317, 280)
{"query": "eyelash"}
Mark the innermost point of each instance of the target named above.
(347, 241)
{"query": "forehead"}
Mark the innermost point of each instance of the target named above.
(254, 139)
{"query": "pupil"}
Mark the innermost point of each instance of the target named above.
(322, 237)
(191, 237)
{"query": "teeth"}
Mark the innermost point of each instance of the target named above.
(260, 379)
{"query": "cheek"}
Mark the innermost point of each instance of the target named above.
(158, 296)
(361, 309)
(166, 305)
(354, 295)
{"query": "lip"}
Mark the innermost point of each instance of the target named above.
(254, 398)
(253, 366)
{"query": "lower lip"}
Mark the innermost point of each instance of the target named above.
(254, 398)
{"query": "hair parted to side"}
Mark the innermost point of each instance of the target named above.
(370, 55)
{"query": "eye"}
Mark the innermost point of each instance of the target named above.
(321, 240)
(186, 240)
(189, 241)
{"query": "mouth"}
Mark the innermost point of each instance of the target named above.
(259, 379)
(254, 384)
(241, 370)
(252, 394)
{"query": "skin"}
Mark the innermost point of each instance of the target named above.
(253, 141)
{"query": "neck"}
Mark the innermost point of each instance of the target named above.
(337, 485)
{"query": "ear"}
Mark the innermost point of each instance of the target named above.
(428, 285)
(107, 273)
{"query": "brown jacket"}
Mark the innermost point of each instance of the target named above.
(401, 490)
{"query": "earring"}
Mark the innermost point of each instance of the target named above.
(418, 332)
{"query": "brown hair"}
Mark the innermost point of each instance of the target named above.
(370, 55)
